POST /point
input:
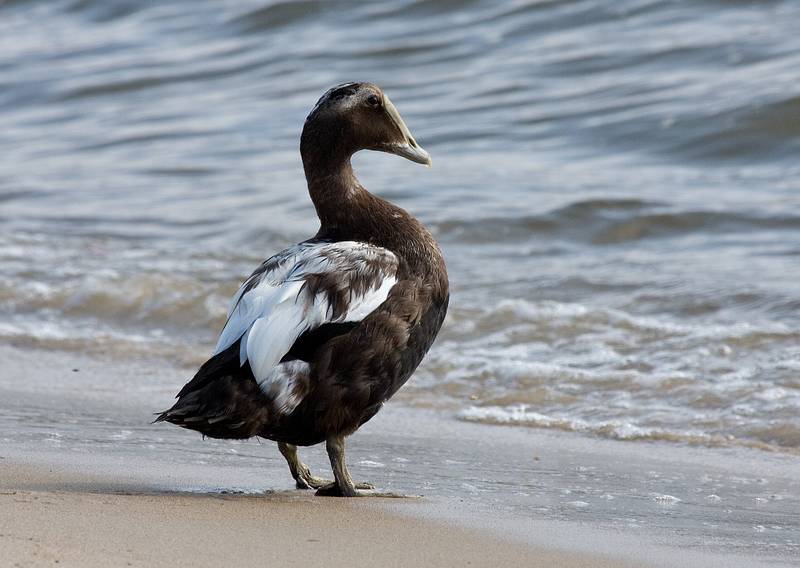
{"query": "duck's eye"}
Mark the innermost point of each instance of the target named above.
(373, 101)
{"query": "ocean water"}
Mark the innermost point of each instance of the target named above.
(615, 185)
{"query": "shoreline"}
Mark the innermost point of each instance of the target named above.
(72, 448)
(116, 525)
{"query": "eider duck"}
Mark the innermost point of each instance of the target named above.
(324, 332)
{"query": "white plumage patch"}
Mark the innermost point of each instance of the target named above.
(297, 290)
(287, 383)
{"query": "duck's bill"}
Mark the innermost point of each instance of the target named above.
(408, 148)
(413, 153)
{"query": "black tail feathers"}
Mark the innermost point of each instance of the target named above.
(223, 400)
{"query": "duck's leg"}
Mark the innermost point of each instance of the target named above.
(302, 475)
(343, 486)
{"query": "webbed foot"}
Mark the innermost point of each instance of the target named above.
(305, 480)
(300, 472)
(335, 490)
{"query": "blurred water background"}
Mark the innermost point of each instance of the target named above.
(615, 186)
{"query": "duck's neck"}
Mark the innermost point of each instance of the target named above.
(347, 211)
(332, 185)
(333, 191)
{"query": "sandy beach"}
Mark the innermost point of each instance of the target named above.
(86, 480)
(116, 525)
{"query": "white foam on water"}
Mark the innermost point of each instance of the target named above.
(665, 499)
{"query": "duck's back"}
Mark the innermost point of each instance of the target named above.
(354, 369)
(322, 334)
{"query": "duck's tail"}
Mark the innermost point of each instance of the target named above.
(223, 400)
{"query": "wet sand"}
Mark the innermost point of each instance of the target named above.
(86, 480)
(116, 525)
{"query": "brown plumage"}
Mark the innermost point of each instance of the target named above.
(322, 334)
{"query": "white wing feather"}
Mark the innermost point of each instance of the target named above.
(274, 307)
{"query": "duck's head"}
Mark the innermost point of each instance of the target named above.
(359, 116)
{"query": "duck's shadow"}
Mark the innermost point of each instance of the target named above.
(137, 489)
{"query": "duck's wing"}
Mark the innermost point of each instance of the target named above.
(299, 290)
(294, 302)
